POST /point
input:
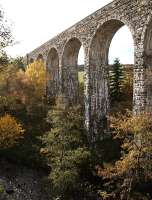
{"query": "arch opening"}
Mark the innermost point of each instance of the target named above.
(121, 64)
(73, 71)
(31, 60)
(40, 57)
(52, 73)
(100, 69)
(122, 47)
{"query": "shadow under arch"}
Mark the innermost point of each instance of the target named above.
(70, 68)
(148, 65)
(31, 60)
(52, 68)
(148, 46)
(98, 63)
(40, 57)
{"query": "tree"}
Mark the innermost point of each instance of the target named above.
(10, 132)
(4, 60)
(5, 32)
(7, 77)
(132, 173)
(18, 62)
(65, 147)
(36, 75)
(116, 81)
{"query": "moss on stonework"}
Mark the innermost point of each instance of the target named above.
(2, 189)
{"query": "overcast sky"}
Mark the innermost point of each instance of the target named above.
(36, 21)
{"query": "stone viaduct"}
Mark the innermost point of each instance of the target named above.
(95, 33)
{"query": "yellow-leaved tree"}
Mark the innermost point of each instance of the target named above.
(132, 173)
(10, 131)
(36, 75)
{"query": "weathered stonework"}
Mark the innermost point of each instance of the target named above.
(95, 33)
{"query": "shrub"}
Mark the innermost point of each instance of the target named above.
(10, 131)
(65, 147)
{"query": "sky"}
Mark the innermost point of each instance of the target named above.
(34, 22)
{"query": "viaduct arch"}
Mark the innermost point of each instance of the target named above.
(52, 68)
(70, 81)
(95, 33)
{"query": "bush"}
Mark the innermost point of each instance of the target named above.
(10, 131)
(65, 147)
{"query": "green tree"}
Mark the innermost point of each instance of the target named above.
(4, 60)
(5, 39)
(18, 62)
(116, 81)
(5, 32)
(65, 147)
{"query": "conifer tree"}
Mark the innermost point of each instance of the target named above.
(116, 81)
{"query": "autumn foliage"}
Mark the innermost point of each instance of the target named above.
(134, 167)
(10, 131)
(36, 75)
(136, 132)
